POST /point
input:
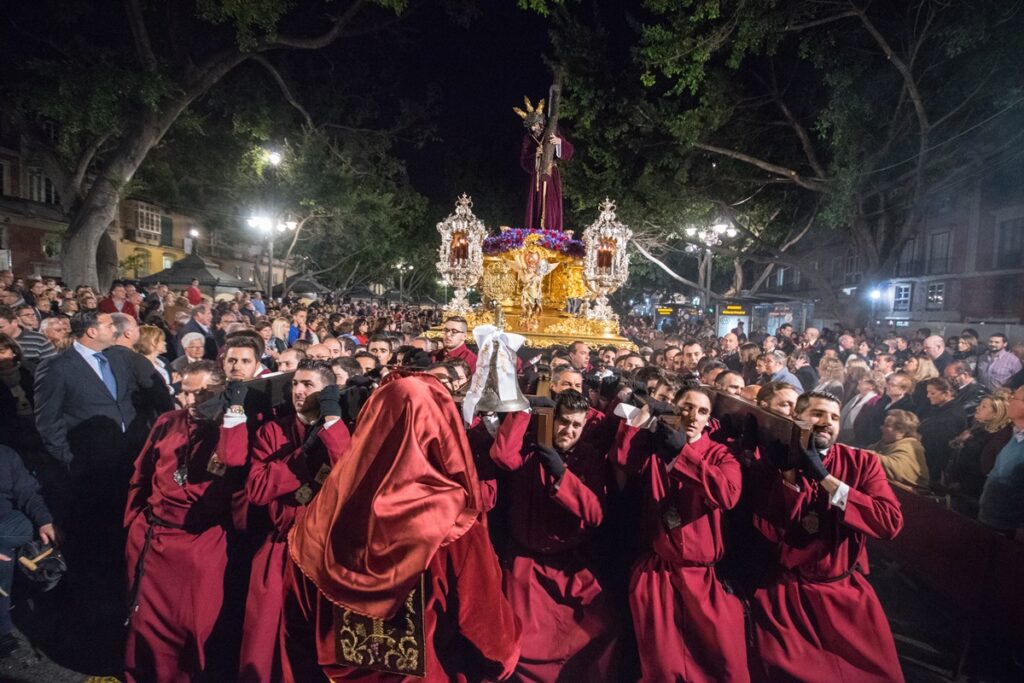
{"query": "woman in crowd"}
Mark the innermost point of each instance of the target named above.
(867, 427)
(870, 387)
(856, 369)
(152, 344)
(900, 450)
(87, 302)
(975, 449)
(945, 420)
(748, 361)
(831, 376)
(924, 370)
(17, 420)
(361, 330)
(279, 334)
(967, 350)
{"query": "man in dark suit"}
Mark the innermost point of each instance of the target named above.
(200, 321)
(152, 397)
(84, 415)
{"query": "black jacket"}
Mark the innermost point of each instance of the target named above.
(19, 490)
(937, 430)
(968, 397)
(78, 420)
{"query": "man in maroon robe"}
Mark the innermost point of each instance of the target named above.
(688, 626)
(544, 195)
(291, 457)
(392, 577)
(816, 617)
(557, 497)
(454, 331)
(178, 515)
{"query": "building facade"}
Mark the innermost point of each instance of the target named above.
(148, 236)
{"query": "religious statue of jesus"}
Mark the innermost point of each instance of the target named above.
(544, 195)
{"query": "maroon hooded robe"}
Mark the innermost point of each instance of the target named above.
(544, 195)
(817, 618)
(569, 629)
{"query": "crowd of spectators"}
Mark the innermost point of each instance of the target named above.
(944, 416)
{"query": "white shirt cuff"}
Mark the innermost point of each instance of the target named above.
(331, 422)
(232, 420)
(838, 498)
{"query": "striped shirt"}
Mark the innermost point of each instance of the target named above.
(35, 347)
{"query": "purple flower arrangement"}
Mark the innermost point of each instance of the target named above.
(514, 238)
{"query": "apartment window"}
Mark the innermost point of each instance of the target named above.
(1010, 244)
(39, 188)
(938, 253)
(796, 278)
(936, 296)
(906, 266)
(901, 297)
(166, 261)
(238, 272)
(166, 231)
(852, 273)
(780, 277)
(147, 220)
(1005, 297)
(5, 178)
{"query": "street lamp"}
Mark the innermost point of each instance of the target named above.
(273, 157)
(702, 239)
(402, 267)
(267, 225)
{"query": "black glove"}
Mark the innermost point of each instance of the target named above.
(657, 407)
(551, 461)
(352, 400)
(213, 408)
(330, 401)
(669, 442)
(235, 393)
(359, 381)
(540, 402)
(609, 386)
(639, 388)
(812, 466)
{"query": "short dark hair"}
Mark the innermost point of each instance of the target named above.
(6, 342)
(720, 380)
(571, 401)
(457, 319)
(367, 354)
(609, 347)
(691, 342)
(244, 341)
(940, 384)
(1000, 335)
(765, 393)
(959, 368)
(7, 313)
(805, 399)
(217, 375)
(320, 367)
(83, 321)
(381, 338)
(349, 365)
(199, 308)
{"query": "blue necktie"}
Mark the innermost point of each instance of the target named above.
(107, 374)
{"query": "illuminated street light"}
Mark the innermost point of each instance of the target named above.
(875, 294)
(402, 267)
(265, 225)
(274, 158)
(702, 239)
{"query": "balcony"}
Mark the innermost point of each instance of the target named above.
(910, 268)
(940, 266)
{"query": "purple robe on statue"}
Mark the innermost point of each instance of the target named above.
(544, 195)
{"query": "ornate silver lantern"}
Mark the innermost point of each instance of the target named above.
(460, 257)
(606, 261)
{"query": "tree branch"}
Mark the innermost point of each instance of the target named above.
(339, 22)
(140, 34)
(650, 257)
(787, 173)
(818, 22)
(275, 74)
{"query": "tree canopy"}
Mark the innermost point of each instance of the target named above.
(814, 126)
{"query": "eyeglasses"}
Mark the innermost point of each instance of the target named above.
(452, 330)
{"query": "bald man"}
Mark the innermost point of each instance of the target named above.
(935, 347)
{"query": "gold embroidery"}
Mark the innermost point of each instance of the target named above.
(395, 645)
